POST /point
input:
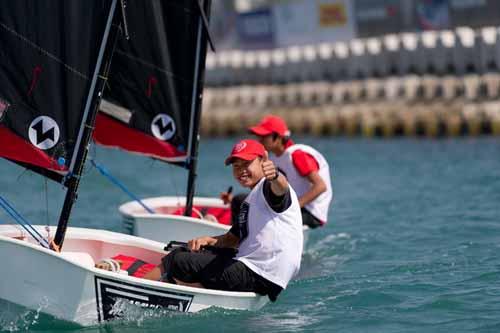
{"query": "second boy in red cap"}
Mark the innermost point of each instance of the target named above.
(306, 169)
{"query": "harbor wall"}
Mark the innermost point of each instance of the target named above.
(432, 83)
(427, 106)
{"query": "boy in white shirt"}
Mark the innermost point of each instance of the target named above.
(268, 235)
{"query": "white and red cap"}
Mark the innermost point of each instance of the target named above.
(269, 125)
(247, 150)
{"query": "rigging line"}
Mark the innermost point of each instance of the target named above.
(18, 227)
(206, 25)
(124, 19)
(90, 97)
(92, 150)
(15, 214)
(46, 201)
(21, 174)
(92, 154)
(174, 184)
(18, 217)
(47, 225)
(23, 222)
(119, 184)
(194, 95)
(43, 51)
(152, 66)
(14, 225)
(86, 169)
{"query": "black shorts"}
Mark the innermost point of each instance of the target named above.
(215, 271)
(309, 219)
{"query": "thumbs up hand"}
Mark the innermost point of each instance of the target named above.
(270, 171)
(226, 197)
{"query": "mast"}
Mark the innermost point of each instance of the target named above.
(194, 138)
(94, 97)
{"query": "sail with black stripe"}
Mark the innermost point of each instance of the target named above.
(150, 107)
(48, 55)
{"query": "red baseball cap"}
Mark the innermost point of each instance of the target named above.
(269, 125)
(247, 150)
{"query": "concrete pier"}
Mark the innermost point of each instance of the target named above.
(425, 106)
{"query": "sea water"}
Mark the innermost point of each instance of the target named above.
(412, 243)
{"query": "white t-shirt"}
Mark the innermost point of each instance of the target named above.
(270, 242)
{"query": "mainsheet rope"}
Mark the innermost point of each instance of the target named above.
(103, 171)
(23, 222)
(43, 51)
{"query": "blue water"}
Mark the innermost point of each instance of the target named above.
(412, 244)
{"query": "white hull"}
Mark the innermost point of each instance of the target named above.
(68, 286)
(167, 227)
(163, 227)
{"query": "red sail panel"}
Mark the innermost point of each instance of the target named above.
(18, 149)
(113, 133)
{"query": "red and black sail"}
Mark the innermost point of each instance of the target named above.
(149, 96)
(48, 54)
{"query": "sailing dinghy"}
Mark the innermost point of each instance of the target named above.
(210, 217)
(50, 89)
(67, 286)
(153, 108)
